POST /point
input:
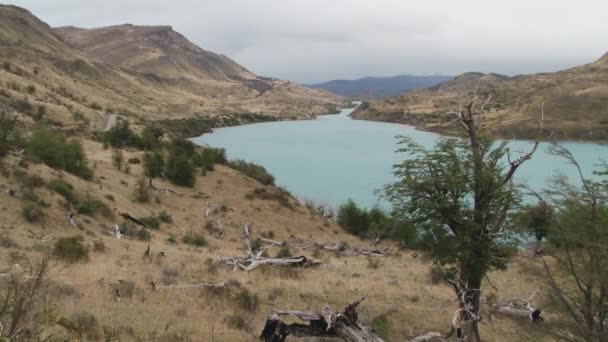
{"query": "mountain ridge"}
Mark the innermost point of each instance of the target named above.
(575, 102)
(378, 87)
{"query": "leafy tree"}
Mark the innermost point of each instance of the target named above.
(536, 219)
(118, 159)
(460, 195)
(154, 164)
(121, 136)
(575, 257)
(180, 170)
(151, 137)
(57, 152)
(7, 125)
(353, 218)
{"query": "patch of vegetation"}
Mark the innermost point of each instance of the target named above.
(31, 181)
(247, 301)
(63, 188)
(151, 222)
(270, 195)
(71, 249)
(165, 217)
(92, 207)
(85, 326)
(381, 326)
(180, 170)
(253, 170)
(284, 252)
(141, 193)
(32, 212)
(194, 239)
(59, 153)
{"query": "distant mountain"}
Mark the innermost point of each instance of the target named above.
(379, 87)
(575, 103)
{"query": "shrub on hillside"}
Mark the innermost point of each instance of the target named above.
(247, 301)
(71, 249)
(32, 212)
(194, 239)
(252, 170)
(180, 170)
(353, 219)
(63, 188)
(92, 207)
(284, 252)
(59, 153)
(141, 193)
(121, 136)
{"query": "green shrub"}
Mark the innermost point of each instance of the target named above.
(151, 222)
(118, 159)
(165, 217)
(144, 235)
(238, 321)
(59, 153)
(284, 252)
(270, 195)
(381, 326)
(71, 249)
(32, 212)
(96, 106)
(141, 193)
(92, 207)
(180, 171)
(353, 218)
(63, 188)
(121, 136)
(252, 170)
(194, 239)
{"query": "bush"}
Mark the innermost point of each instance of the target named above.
(144, 235)
(247, 301)
(92, 207)
(121, 136)
(238, 321)
(59, 153)
(270, 195)
(168, 275)
(118, 159)
(32, 212)
(71, 249)
(85, 326)
(252, 170)
(381, 326)
(180, 171)
(194, 239)
(63, 188)
(165, 217)
(284, 252)
(151, 222)
(353, 219)
(141, 193)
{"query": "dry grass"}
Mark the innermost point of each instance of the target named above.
(398, 287)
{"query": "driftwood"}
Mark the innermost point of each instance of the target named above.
(252, 260)
(188, 286)
(344, 325)
(518, 308)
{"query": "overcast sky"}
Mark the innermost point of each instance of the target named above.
(318, 40)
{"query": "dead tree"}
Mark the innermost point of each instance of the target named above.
(252, 260)
(518, 308)
(344, 325)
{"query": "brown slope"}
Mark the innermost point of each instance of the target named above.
(575, 100)
(78, 88)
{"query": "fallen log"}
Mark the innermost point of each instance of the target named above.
(133, 219)
(253, 262)
(519, 308)
(344, 325)
(188, 286)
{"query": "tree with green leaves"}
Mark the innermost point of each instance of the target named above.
(7, 125)
(460, 195)
(154, 164)
(180, 170)
(118, 159)
(575, 254)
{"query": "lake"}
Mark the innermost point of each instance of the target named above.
(334, 157)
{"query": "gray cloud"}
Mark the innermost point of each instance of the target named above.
(317, 40)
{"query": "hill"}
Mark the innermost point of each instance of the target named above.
(369, 88)
(575, 103)
(140, 73)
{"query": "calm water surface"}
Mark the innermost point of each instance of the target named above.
(335, 157)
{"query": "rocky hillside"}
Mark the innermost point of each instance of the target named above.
(575, 103)
(140, 73)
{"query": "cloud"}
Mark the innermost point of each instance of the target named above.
(316, 40)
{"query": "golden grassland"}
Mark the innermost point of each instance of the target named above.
(397, 286)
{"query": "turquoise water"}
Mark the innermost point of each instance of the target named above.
(334, 158)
